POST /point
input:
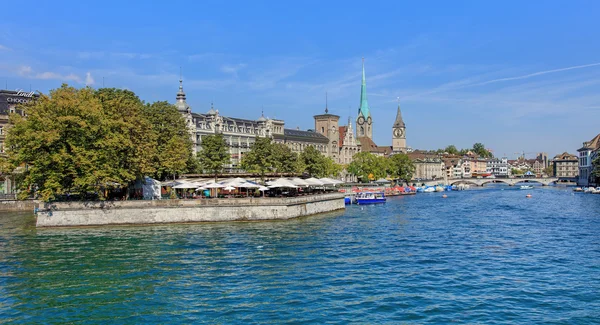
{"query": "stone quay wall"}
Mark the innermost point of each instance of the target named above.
(16, 205)
(66, 214)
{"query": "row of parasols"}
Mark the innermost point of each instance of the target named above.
(235, 183)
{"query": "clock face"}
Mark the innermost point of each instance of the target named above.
(398, 133)
(369, 120)
(361, 120)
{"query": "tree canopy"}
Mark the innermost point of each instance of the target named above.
(401, 167)
(214, 154)
(174, 154)
(367, 166)
(85, 141)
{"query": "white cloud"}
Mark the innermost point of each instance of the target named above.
(535, 74)
(89, 80)
(4, 48)
(232, 69)
(58, 76)
(24, 70)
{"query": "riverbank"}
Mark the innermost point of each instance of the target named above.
(17, 205)
(68, 214)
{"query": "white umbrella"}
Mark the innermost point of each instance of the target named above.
(263, 188)
(299, 182)
(314, 181)
(327, 181)
(281, 182)
(249, 185)
(229, 188)
(214, 185)
(186, 185)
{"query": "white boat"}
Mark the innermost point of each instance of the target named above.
(429, 190)
(439, 189)
(526, 187)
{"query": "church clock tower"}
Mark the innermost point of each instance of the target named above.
(399, 133)
(364, 122)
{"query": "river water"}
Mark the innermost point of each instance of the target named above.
(478, 256)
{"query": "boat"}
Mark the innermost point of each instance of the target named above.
(370, 198)
(526, 187)
(429, 190)
(578, 189)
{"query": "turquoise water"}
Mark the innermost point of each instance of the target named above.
(481, 256)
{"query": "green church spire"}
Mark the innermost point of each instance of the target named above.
(364, 105)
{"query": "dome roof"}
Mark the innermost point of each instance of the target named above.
(262, 119)
(181, 104)
(212, 110)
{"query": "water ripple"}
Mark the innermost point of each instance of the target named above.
(486, 256)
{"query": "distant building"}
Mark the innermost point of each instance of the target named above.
(240, 134)
(9, 104)
(498, 167)
(427, 166)
(565, 166)
(543, 157)
(587, 153)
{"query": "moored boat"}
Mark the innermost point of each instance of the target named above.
(526, 187)
(370, 198)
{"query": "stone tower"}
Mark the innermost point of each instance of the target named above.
(364, 122)
(399, 133)
(186, 112)
(328, 125)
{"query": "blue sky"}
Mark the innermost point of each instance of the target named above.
(515, 75)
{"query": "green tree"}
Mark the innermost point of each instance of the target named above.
(401, 167)
(284, 160)
(313, 162)
(79, 140)
(260, 157)
(549, 170)
(332, 169)
(451, 149)
(596, 169)
(367, 166)
(480, 150)
(214, 154)
(173, 145)
(515, 171)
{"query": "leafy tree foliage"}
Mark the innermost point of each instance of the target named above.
(481, 151)
(367, 166)
(214, 154)
(451, 149)
(172, 141)
(80, 140)
(260, 157)
(401, 167)
(596, 169)
(313, 162)
(284, 159)
(549, 170)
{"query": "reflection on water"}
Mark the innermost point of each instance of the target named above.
(478, 256)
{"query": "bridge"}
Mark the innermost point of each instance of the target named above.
(482, 181)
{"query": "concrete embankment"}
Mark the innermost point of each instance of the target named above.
(66, 214)
(16, 205)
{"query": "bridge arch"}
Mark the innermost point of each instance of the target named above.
(465, 181)
(495, 180)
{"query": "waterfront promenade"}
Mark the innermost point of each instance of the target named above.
(96, 213)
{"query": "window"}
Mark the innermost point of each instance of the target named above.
(322, 130)
(1, 130)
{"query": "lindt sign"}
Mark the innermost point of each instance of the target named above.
(22, 93)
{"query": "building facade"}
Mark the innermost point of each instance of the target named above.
(498, 167)
(566, 166)
(427, 166)
(240, 134)
(9, 104)
(587, 153)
